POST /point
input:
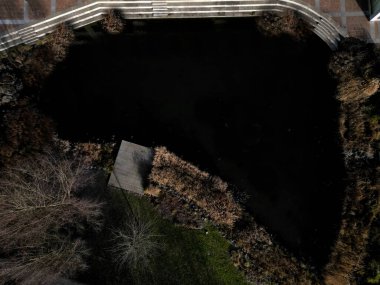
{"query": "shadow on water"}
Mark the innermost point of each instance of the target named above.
(258, 112)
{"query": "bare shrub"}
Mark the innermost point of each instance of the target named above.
(41, 218)
(136, 243)
(113, 23)
(208, 192)
(288, 22)
(62, 260)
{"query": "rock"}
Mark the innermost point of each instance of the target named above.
(10, 86)
(5, 99)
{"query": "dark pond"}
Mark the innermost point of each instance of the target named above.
(258, 112)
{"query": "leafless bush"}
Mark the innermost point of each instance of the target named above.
(113, 23)
(136, 243)
(41, 217)
(208, 192)
(287, 22)
(63, 260)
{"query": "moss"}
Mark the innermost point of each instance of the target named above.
(374, 280)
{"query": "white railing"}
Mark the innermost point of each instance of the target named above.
(78, 17)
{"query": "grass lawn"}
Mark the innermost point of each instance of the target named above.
(186, 257)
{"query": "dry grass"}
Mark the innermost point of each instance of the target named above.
(357, 89)
(265, 262)
(187, 196)
(208, 192)
(353, 66)
(354, 69)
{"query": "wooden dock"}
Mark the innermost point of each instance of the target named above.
(133, 162)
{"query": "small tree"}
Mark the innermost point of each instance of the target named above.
(135, 244)
(42, 219)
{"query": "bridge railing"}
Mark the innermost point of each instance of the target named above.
(93, 11)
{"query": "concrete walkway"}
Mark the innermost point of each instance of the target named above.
(131, 167)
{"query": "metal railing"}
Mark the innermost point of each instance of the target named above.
(89, 13)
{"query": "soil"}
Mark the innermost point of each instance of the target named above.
(258, 112)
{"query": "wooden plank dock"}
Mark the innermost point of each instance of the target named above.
(133, 162)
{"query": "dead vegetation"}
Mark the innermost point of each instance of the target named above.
(39, 266)
(33, 64)
(59, 41)
(23, 129)
(41, 60)
(354, 68)
(95, 154)
(113, 23)
(177, 209)
(42, 219)
(207, 192)
(188, 196)
(265, 262)
(274, 24)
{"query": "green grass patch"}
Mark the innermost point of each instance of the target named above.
(188, 256)
(185, 256)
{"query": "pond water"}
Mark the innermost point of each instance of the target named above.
(260, 112)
